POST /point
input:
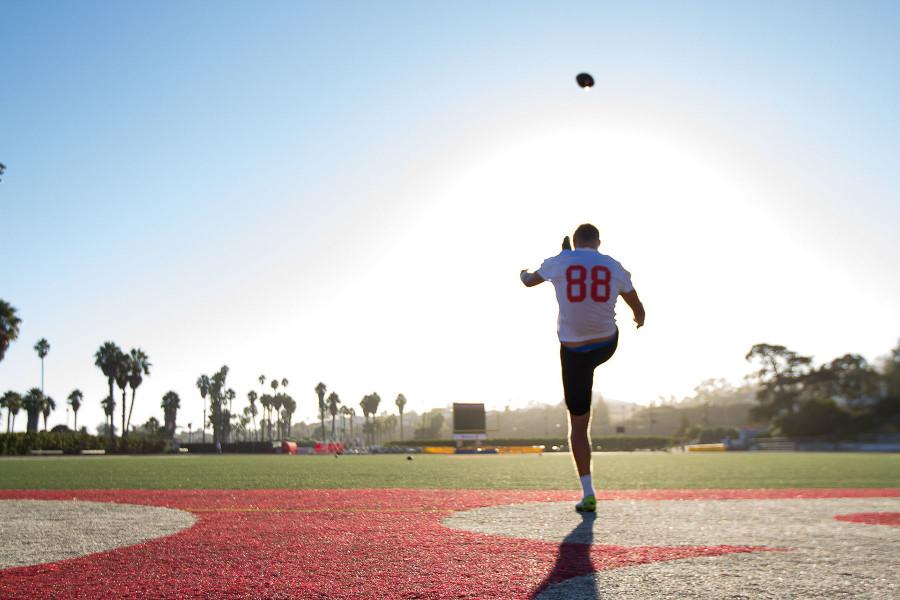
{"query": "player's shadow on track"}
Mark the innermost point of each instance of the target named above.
(573, 558)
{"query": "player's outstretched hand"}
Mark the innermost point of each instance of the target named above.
(566, 245)
(523, 275)
(639, 322)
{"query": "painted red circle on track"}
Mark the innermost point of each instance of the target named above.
(877, 518)
(345, 544)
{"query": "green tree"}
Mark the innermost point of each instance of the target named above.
(203, 386)
(47, 405)
(251, 410)
(389, 424)
(109, 408)
(123, 373)
(369, 405)
(42, 347)
(266, 401)
(230, 395)
(351, 415)
(333, 402)
(780, 379)
(277, 399)
(217, 394)
(33, 405)
(9, 326)
(289, 405)
(140, 366)
(401, 403)
(12, 401)
(814, 417)
(170, 405)
(75, 399)
(345, 412)
(320, 392)
(848, 379)
(109, 359)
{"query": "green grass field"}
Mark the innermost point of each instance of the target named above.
(550, 471)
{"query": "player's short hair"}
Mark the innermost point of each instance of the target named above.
(585, 234)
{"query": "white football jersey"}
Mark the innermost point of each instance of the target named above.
(587, 285)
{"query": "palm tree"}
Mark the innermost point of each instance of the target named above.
(284, 382)
(170, 405)
(276, 403)
(33, 404)
(9, 326)
(230, 395)
(47, 405)
(218, 394)
(251, 396)
(333, 401)
(274, 384)
(289, 405)
(108, 359)
(400, 402)
(123, 374)
(369, 404)
(320, 392)
(75, 399)
(42, 347)
(13, 402)
(109, 409)
(266, 401)
(390, 424)
(140, 366)
(352, 414)
(345, 412)
(203, 386)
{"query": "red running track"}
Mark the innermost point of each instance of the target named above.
(345, 544)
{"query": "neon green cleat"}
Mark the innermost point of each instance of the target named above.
(587, 504)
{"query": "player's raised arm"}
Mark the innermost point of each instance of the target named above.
(636, 306)
(530, 279)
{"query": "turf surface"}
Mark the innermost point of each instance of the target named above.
(548, 471)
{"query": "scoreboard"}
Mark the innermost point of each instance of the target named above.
(469, 419)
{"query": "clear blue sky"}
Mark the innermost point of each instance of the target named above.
(345, 192)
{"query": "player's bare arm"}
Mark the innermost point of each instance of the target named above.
(636, 306)
(530, 279)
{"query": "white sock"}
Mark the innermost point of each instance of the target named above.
(587, 486)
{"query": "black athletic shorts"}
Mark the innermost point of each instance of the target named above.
(578, 373)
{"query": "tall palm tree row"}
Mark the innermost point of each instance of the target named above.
(9, 326)
(12, 402)
(401, 403)
(42, 347)
(75, 399)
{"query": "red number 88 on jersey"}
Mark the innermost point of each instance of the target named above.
(578, 284)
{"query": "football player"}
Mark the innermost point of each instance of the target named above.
(587, 285)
